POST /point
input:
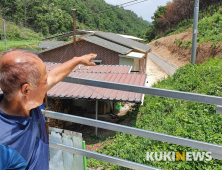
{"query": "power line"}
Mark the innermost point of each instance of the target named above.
(135, 3)
(127, 3)
(121, 5)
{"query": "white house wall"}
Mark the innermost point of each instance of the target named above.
(126, 61)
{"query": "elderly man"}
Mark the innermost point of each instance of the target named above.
(24, 82)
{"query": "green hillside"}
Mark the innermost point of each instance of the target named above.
(14, 32)
(18, 37)
(174, 117)
(55, 16)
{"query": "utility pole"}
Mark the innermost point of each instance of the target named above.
(123, 28)
(4, 34)
(74, 30)
(195, 30)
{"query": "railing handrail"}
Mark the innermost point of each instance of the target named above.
(102, 157)
(214, 148)
(208, 99)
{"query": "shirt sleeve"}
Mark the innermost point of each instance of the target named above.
(11, 159)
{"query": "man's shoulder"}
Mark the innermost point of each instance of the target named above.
(11, 159)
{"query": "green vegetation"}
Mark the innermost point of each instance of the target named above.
(170, 20)
(24, 44)
(183, 44)
(174, 117)
(14, 32)
(209, 28)
(55, 16)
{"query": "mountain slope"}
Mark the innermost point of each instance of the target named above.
(55, 16)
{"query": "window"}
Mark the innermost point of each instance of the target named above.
(97, 62)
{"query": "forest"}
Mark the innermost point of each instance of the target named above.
(166, 18)
(55, 16)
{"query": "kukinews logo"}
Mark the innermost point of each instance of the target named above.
(178, 156)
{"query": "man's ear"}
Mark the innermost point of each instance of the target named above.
(25, 89)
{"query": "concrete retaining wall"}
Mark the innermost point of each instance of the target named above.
(166, 66)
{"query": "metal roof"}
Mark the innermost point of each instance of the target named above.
(123, 41)
(110, 41)
(107, 44)
(134, 55)
(73, 91)
(54, 47)
(95, 69)
(131, 37)
(50, 44)
(68, 34)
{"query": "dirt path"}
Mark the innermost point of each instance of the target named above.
(154, 73)
(168, 49)
(180, 56)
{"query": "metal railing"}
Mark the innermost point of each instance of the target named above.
(215, 149)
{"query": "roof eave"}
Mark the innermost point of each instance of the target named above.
(85, 38)
(136, 48)
(61, 45)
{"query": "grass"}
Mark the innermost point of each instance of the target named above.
(174, 117)
(24, 44)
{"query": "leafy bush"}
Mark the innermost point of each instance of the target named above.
(174, 117)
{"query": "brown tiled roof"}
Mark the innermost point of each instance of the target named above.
(69, 91)
(95, 69)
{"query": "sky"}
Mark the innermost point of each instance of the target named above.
(144, 9)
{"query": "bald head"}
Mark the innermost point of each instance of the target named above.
(17, 68)
(20, 56)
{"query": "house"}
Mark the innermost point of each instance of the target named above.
(88, 101)
(111, 49)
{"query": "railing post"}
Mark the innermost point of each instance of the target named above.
(84, 158)
(96, 116)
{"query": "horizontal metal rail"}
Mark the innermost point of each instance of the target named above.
(148, 90)
(214, 148)
(102, 157)
(219, 110)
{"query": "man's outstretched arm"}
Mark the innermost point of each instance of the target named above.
(60, 72)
